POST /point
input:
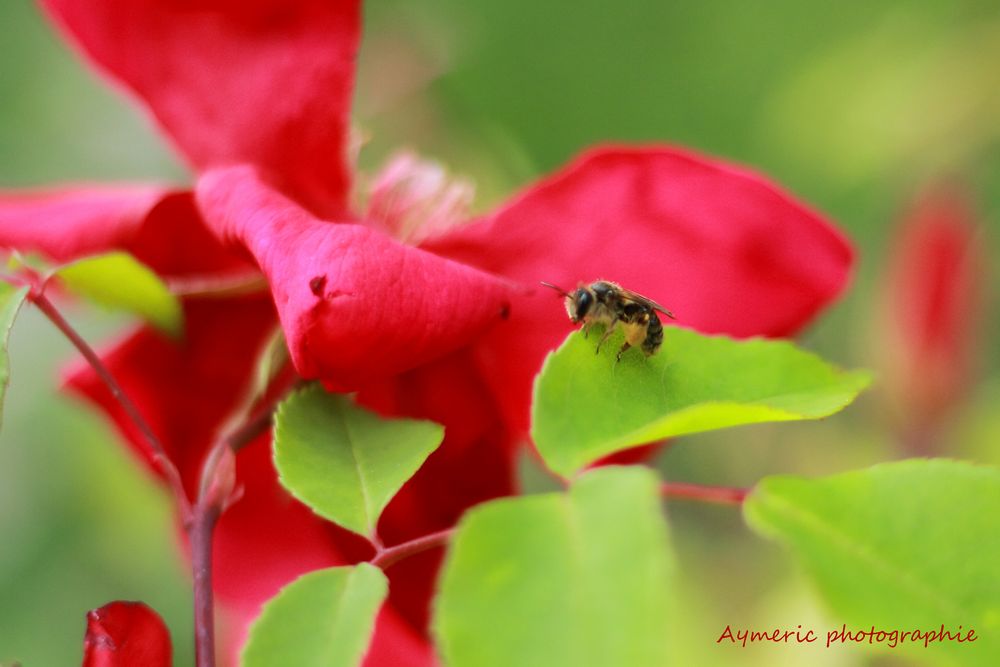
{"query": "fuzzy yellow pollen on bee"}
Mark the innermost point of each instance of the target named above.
(610, 304)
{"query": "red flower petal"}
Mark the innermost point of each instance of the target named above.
(267, 538)
(67, 223)
(396, 645)
(266, 82)
(126, 634)
(162, 228)
(186, 389)
(723, 248)
(353, 303)
(174, 241)
(474, 463)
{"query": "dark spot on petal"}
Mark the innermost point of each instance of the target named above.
(317, 284)
(504, 310)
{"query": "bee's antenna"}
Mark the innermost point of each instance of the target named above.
(556, 288)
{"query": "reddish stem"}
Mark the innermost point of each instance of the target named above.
(389, 556)
(251, 429)
(216, 493)
(200, 533)
(200, 519)
(726, 495)
(156, 450)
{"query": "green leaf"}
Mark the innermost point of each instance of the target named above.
(120, 282)
(345, 462)
(322, 619)
(11, 299)
(577, 579)
(907, 545)
(586, 406)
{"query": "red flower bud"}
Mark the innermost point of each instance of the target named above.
(126, 634)
(932, 302)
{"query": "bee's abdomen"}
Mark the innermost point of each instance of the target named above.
(654, 336)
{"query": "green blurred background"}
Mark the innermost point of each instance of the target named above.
(853, 105)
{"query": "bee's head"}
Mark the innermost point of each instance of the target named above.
(578, 304)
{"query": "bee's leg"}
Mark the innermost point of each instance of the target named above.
(607, 334)
(635, 334)
(585, 329)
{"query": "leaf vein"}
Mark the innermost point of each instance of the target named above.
(903, 578)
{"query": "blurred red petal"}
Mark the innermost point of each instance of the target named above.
(184, 389)
(354, 304)
(268, 538)
(161, 227)
(474, 463)
(174, 241)
(723, 248)
(935, 284)
(171, 381)
(266, 82)
(126, 634)
(71, 222)
(396, 645)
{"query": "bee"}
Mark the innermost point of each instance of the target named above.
(610, 304)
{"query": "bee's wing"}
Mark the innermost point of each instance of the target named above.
(633, 296)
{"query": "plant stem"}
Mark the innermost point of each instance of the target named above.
(216, 492)
(251, 429)
(389, 556)
(199, 520)
(155, 448)
(200, 533)
(726, 495)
